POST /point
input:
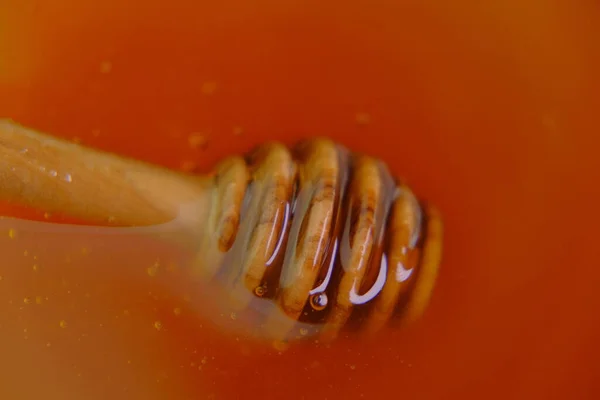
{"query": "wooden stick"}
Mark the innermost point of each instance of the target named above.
(54, 175)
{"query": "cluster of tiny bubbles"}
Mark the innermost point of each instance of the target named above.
(259, 317)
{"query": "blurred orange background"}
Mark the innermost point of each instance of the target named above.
(488, 109)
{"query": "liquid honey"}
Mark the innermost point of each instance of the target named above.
(488, 111)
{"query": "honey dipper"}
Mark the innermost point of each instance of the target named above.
(327, 236)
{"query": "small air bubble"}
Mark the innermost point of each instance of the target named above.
(260, 291)
(188, 166)
(62, 324)
(68, 178)
(158, 325)
(27, 300)
(280, 346)
(12, 233)
(53, 173)
(363, 118)
(105, 67)
(233, 316)
(36, 267)
(209, 88)
(197, 141)
(319, 301)
(549, 122)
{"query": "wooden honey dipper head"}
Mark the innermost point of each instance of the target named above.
(313, 240)
(329, 237)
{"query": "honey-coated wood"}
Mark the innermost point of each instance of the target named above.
(326, 234)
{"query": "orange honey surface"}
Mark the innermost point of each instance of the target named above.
(489, 109)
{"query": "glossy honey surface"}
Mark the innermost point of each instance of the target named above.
(488, 109)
